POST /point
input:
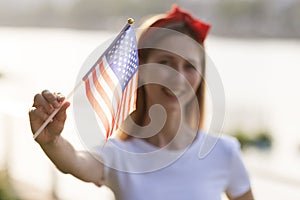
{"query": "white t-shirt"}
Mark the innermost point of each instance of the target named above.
(136, 170)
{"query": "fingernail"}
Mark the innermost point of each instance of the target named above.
(60, 97)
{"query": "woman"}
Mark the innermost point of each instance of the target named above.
(163, 165)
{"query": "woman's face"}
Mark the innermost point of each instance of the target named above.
(177, 76)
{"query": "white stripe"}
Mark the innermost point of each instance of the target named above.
(113, 76)
(120, 120)
(107, 89)
(100, 100)
(100, 124)
(127, 110)
(103, 82)
(117, 94)
(130, 96)
(134, 88)
(127, 99)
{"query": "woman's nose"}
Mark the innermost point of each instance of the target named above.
(177, 75)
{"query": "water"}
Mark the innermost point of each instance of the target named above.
(260, 78)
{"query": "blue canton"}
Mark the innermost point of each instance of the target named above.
(123, 57)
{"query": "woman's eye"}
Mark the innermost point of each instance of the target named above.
(190, 66)
(164, 62)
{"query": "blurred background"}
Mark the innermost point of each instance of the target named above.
(254, 45)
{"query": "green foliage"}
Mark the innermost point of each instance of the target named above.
(6, 190)
(260, 139)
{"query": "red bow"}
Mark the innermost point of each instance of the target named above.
(177, 15)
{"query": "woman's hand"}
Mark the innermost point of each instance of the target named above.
(44, 104)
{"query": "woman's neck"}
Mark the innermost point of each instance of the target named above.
(175, 133)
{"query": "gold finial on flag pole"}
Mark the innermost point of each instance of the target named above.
(130, 21)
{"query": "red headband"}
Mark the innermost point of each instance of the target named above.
(178, 15)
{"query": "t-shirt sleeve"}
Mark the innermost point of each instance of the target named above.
(239, 182)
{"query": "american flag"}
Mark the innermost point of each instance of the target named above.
(111, 83)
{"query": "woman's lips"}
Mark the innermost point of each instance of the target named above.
(172, 93)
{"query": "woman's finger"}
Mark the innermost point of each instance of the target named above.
(61, 115)
(42, 104)
(51, 98)
(35, 113)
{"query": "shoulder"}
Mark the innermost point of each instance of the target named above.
(228, 142)
(219, 144)
(222, 140)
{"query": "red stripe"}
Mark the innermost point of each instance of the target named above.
(120, 111)
(107, 79)
(123, 108)
(116, 125)
(126, 107)
(96, 106)
(129, 95)
(129, 92)
(103, 94)
(116, 95)
(135, 90)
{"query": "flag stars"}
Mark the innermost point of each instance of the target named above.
(122, 57)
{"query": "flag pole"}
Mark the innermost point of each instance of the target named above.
(130, 21)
